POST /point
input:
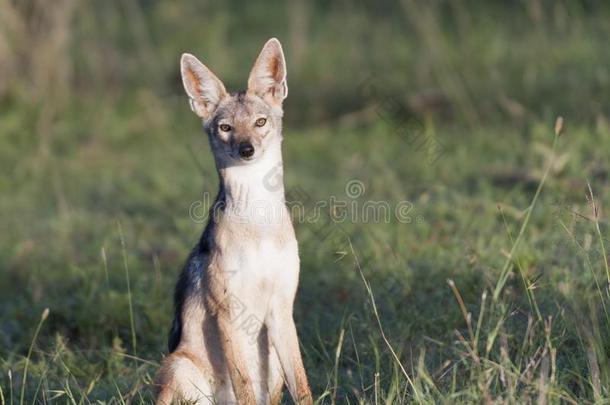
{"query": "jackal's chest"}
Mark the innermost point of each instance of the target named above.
(260, 264)
(262, 258)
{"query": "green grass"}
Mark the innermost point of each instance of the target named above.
(497, 288)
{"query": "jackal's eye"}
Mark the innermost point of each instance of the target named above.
(224, 127)
(260, 122)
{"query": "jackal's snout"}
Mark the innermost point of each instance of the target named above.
(246, 150)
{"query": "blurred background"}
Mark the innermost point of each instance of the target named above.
(449, 105)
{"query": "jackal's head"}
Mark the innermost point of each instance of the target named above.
(241, 126)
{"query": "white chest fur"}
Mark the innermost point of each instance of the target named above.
(259, 248)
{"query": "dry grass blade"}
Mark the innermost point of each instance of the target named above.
(378, 319)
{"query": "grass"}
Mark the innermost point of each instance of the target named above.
(493, 288)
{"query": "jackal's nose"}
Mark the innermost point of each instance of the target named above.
(246, 149)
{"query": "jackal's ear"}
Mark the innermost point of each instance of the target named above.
(202, 86)
(268, 76)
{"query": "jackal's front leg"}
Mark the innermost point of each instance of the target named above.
(283, 335)
(236, 365)
(221, 304)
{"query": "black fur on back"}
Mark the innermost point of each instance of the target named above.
(189, 282)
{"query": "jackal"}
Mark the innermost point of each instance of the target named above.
(233, 339)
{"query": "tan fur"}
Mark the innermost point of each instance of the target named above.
(276, 394)
(237, 341)
(179, 376)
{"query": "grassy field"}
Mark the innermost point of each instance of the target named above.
(492, 287)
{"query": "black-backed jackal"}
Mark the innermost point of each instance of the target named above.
(233, 339)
